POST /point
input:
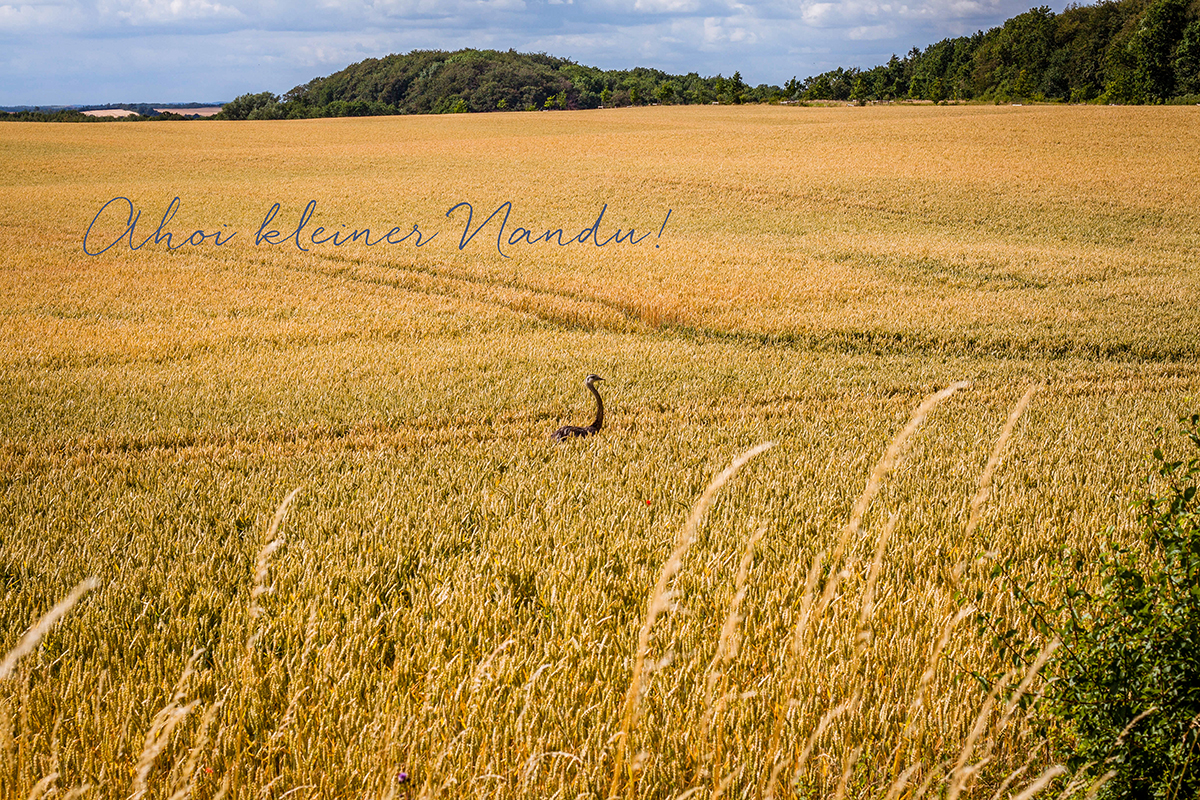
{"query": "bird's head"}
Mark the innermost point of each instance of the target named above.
(592, 379)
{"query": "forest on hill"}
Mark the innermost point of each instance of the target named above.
(439, 82)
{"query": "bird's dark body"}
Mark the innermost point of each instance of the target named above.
(567, 431)
(571, 431)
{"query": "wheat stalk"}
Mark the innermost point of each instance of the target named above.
(660, 598)
(730, 639)
(30, 639)
(185, 784)
(984, 487)
(1042, 781)
(886, 463)
(262, 567)
(890, 458)
(158, 735)
(868, 601)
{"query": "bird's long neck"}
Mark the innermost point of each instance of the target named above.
(599, 409)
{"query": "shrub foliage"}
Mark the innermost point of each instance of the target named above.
(1123, 695)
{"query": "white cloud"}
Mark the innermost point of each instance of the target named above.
(666, 6)
(729, 30)
(870, 33)
(26, 17)
(817, 13)
(852, 14)
(158, 12)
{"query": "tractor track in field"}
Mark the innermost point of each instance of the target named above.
(558, 307)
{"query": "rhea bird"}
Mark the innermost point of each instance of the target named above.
(569, 431)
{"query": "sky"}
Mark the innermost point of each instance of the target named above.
(59, 52)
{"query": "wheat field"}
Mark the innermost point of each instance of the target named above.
(288, 523)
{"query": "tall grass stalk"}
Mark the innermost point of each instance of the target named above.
(262, 567)
(961, 772)
(727, 646)
(868, 601)
(162, 725)
(43, 787)
(29, 640)
(847, 771)
(931, 663)
(1016, 774)
(984, 487)
(1041, 783)
(1098, 784)
(891, 456)
(24, 646)
(660, 600)
(803, 756)
(901, 781)
(185, 784)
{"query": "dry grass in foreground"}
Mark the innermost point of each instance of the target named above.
(282, 524)
(776, 656)
(715, 764)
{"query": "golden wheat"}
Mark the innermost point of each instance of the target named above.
(463, 605)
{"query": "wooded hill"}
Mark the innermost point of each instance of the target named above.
(438, 82)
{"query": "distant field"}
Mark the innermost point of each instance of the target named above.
(202, 111)
(206, 111)
(456, 599)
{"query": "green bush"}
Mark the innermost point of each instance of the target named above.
(1123, 692)
(243, 106)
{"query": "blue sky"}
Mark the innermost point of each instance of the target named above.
(110, 51)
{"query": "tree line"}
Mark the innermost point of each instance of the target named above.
(1118, 51)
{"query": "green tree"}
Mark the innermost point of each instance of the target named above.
(1187, 60)
(718, 85)
(1154, 45)
(820, 88)
(861, 90)
(269, 111)
(1120, 73)
(1023, 44)
(243, 106)
(737, 88)
(1024, 87)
